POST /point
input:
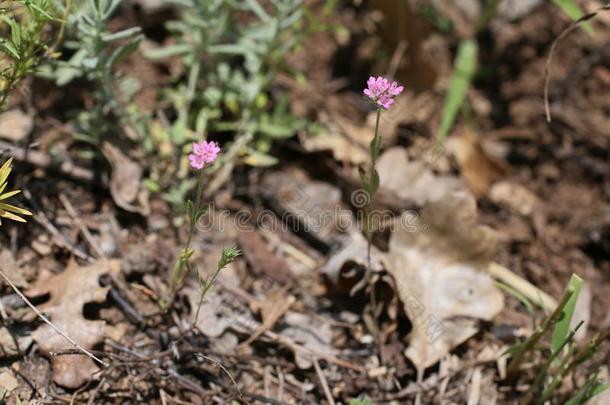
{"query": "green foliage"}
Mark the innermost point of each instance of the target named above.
(233, 51)
(9, 211)
(559, 358)
(361, 401)
(562, 328)
(574, 12)
(23, 25)
(97, 52)
(183, 267)
(465, 65)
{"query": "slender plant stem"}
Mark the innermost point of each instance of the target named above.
(178, 274)
(369, 202)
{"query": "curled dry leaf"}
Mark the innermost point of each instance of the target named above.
(478, 168)
(125, 181)
(439, 269)
(69, 291)
(353, 254)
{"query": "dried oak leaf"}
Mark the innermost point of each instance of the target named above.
(125, 181)
(69, 291)
(439, 265)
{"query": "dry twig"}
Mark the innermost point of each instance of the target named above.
(547, 76)
(55, 328)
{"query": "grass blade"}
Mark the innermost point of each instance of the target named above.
(562, 327)
(464, 68)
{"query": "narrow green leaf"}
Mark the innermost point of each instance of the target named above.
(123, 51)
(518, 295)
(9, 194)
(9, 48)
(258, 10)
(5, 170)
(574, 12)
(167, 51)
(464, 69)
(562, 327)
(115, 36)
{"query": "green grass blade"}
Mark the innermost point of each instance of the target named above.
(562, 327)
(574, 12)
(518, 295)
(464, 68)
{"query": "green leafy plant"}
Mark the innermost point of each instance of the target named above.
(203, 156)
(9, 211)
(97, 52)
(232, 52)
(361, 401)
(24, 42)
(561, 357)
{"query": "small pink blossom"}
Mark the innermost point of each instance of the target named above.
(381, 91)
(204, 154)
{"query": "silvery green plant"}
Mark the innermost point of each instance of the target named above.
(97, 52)
(23, 42)
(232, 51)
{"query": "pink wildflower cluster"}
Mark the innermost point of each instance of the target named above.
(204, 154)
(381, 91)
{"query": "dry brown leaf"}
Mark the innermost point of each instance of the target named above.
(15, 125)
(220, 312)
(412, 181)
(514, 196)
(8, 382)
(476, 166)
(312, 334)
(69, 291)
(263, 261)
(11, 269)
(125, 181)
(353, 253)
(439, 265)
(313, 207)
(343, 147)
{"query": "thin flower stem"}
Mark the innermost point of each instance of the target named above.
(178, 274)
(367, 209)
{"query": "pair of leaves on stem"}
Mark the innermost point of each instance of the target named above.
(195, 213)
(370, 183)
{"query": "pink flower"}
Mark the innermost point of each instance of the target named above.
(381, 91)
(204, 154)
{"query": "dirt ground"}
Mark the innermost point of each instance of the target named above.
(289, 321)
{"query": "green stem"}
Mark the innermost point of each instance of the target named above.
(179, 274)
(375, 144)
(533, 340)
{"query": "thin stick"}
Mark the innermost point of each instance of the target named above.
(532, 292)
(41, 316)
(81, 226)
(39, 159)
(223, 368)
(324, 383)
(547, 76)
